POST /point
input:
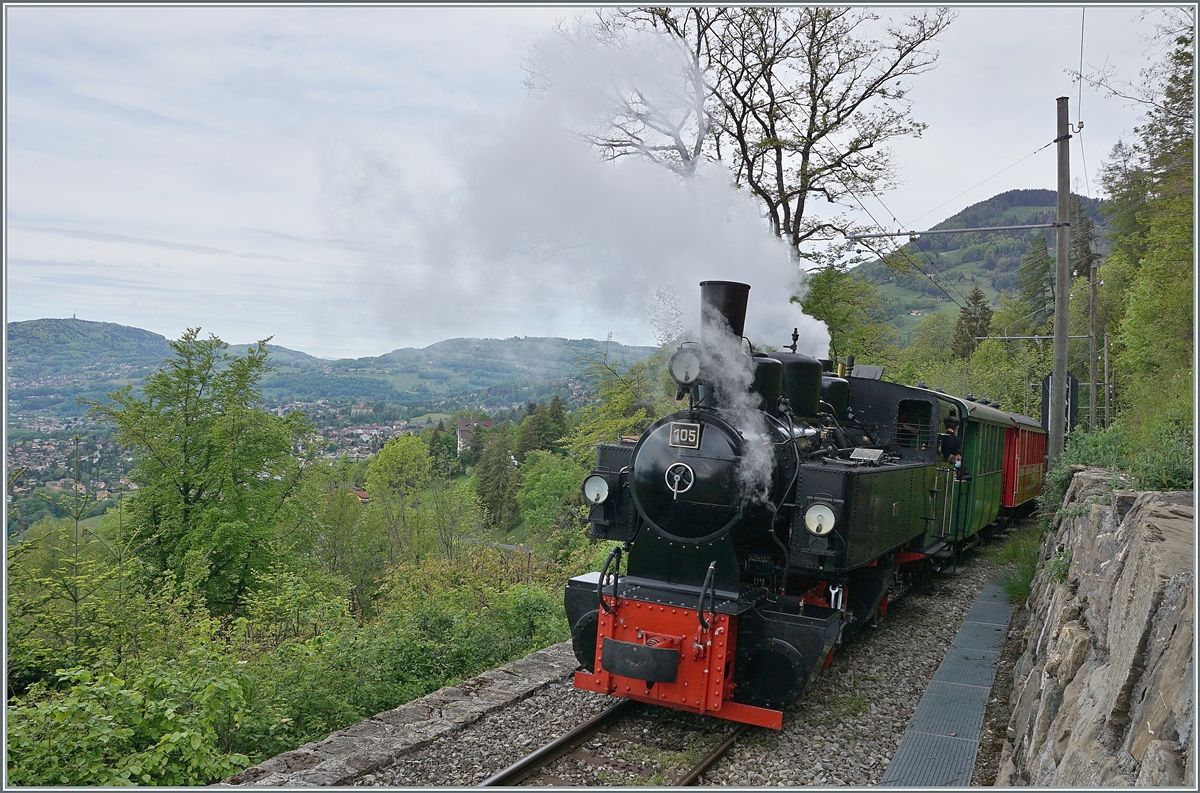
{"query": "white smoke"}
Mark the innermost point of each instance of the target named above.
(730, 371)
(539, 236)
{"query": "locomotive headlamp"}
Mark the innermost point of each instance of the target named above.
(595, 489)
(685, 366)
(819, 519)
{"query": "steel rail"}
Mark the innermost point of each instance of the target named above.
(552, 751)
(692, 776)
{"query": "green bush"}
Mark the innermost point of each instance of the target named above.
(1057, 568)
(1104, 448)
(160, 725)
(440, 622)
(1163, 461)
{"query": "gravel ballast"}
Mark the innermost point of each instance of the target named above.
(843, 730)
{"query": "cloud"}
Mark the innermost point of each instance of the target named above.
(174, 246)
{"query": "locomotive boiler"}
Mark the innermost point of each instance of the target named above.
(782, 508)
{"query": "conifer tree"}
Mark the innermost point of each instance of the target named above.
(496, 478)
(974, 319)
(558, 417)
(1035, 284)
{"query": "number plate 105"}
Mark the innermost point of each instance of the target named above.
(685, 435)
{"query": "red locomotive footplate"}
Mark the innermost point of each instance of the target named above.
(647, 634)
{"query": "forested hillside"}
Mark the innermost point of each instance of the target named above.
(243, 596)
(52, 362)
(928, 274)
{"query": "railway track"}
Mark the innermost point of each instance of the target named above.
(536, 764)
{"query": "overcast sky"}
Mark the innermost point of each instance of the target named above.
(353, 180)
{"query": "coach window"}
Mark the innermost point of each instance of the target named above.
(914, 424)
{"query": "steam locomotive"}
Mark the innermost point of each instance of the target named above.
(785, 507)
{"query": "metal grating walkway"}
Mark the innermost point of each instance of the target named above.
(939, 746)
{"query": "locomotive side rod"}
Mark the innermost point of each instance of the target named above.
(552, 751)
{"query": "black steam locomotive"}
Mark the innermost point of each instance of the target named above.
(783, 508)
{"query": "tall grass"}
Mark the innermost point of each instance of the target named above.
(1018, 558)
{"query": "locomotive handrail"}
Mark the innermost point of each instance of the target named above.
(616, 551)
(712, 594)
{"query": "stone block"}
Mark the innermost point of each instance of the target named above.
(1122, 502)
(1071, 648)
(1090, 766)
(1048, 706)
(1019, 726)
(405, 714)
(1161, 766)
(1161, 704)
(1160, 547)
(371, 728)
(1066, 722)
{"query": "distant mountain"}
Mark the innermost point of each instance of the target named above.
(958, 262)
(451, 374)
(53, 361)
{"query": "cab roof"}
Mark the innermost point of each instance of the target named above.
(979, 412)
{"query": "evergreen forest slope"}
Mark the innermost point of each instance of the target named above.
(959, 262)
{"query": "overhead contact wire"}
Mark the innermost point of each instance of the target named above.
(899, 248)
(985, 181)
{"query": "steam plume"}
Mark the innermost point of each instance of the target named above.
(730, 371)
(537, 220)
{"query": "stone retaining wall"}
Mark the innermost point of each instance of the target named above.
(1103, 691)
(382, 739)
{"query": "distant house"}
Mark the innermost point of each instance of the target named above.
(363, 498)
(361, 408)
(466, 432)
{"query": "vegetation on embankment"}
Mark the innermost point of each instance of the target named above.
(249, 597)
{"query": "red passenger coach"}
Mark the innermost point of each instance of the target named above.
(1024, 461)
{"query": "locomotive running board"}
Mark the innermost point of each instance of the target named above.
(730, 711)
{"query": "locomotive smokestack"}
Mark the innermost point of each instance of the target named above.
(724, 299)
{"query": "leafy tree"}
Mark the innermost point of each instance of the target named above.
(443, 448)
(394, 478)
(214, 468)
(851, 309)
(349, 545)
(558, 417)
(57, 579)
(1083, 238)
(538, 430)
(1148, 276)
(630, 399)
(974, 319)
(550, 489)
(454, 513)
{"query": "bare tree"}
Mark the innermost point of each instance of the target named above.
(637, 96)
(808, 101)
(1171, 25)
(803, 101)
